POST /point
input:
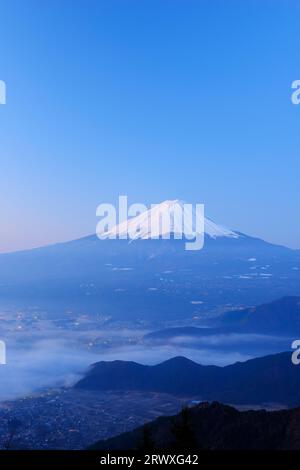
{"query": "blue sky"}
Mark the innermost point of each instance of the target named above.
(154, 99)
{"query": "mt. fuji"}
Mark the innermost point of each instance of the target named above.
(171, 217)
(152, 280)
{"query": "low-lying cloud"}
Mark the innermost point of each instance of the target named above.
(59, 358)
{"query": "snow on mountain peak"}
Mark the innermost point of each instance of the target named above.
(169, 217)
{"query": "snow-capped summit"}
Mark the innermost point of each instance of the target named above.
(170, 217)
(151, 282)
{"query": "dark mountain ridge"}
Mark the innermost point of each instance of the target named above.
(269, 379)
(213, 426)
(280, 317)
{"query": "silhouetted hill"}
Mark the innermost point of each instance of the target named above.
(281, 317)
(213, 426)
(269, 379)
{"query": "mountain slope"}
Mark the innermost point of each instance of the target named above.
(264, 380)
(151, 280)
(281, 317)
(166, 218)
(213, 426)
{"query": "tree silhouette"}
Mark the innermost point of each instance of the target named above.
(147, 443)
(185, 437)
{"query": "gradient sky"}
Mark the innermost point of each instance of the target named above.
(157, 99)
